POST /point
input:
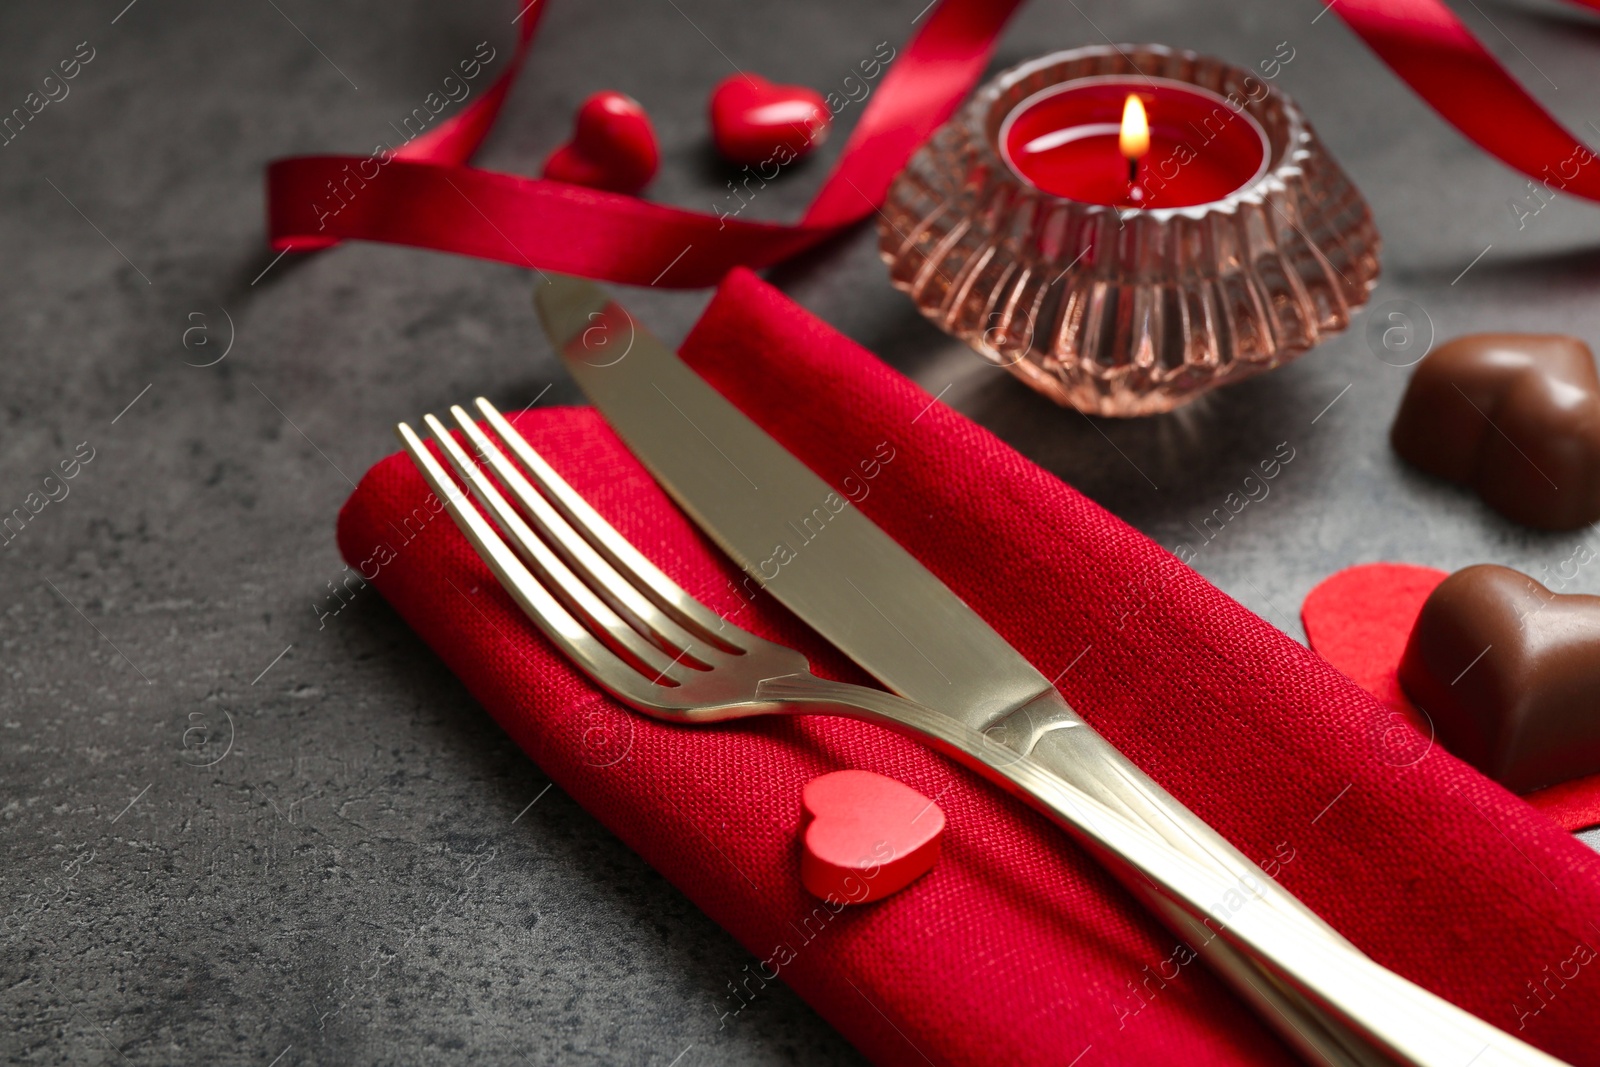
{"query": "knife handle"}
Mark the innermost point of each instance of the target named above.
(1056, 738)
(1334, 1005)
(1053, 734)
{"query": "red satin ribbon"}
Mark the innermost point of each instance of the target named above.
(424, 194)
(426, 197)
(1428, 47)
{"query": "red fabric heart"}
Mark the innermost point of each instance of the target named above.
(613, 146)
(755, 122)
(1359, 619)
(866, 836)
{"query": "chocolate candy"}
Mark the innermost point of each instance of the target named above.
(1516, 416)
(1509, 673)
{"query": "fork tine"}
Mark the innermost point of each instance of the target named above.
(617, 550)
(540, 606)
(623, 597)
(576, 597)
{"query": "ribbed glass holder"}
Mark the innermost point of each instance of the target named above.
(1126, 311)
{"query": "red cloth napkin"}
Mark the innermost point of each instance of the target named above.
(1015, 948)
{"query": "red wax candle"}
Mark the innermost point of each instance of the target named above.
(1064, 140)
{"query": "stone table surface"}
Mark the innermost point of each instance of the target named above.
(373, 873)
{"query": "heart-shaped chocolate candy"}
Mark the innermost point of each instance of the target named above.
(1509, 673)
(1516, 416)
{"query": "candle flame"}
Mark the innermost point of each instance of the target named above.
(1134, 140)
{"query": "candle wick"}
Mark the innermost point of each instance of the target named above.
(1133, 170)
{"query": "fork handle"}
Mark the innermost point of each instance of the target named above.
(1387, 1018)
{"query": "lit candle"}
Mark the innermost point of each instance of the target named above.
(1129, 141)
(1133, 141)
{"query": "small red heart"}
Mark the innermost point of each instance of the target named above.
(613, 146)
(866, 836)
(754, 121)
(1359, 620)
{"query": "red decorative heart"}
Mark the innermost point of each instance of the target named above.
(865, 836)
(755, 122)
(613, 146)
(1360, 619)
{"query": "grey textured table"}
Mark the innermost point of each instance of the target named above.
(374, 873)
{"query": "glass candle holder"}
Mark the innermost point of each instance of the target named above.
(1237, 244)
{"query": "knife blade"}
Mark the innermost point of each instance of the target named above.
(798, 537)
(842, 574)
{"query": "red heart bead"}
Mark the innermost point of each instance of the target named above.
(866, 836)
(754, 121)
(613, 146)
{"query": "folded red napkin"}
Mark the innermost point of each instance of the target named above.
(1015, 948)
